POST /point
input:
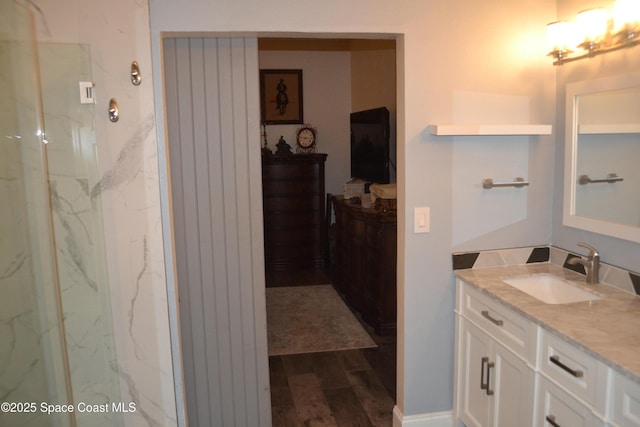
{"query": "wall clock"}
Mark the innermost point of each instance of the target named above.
(306, 139)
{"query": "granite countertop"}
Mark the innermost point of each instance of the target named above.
(608, 328)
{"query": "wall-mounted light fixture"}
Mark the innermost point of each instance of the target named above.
(595, 31)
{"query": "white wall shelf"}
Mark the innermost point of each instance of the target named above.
(609, 128)
(478, 130)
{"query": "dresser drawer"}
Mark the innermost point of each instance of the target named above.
(558, 408)
(293, 210)
(300, 204)
(574, 370)
(292, 188)
(502, 323)
(291, 171)
(625, 401)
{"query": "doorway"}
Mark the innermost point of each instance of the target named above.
(339, 76)
(212, 99)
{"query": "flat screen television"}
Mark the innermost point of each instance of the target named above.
(370, 145)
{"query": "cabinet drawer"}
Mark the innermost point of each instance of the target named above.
(293, 220)
(625, 401)
(291, 171)
(508, 327)
(293, 188)
(302, 205)
(573, 369)
(558, 408)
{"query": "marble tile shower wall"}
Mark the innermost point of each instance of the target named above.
(117, 325)
(30, 337)
(610, 274)
(30, 344)
(79, 231)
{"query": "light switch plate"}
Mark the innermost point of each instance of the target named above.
(421, 219)
(86, 93)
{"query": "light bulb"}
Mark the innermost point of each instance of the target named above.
(626, 13)
(560, 36)
(592, 24)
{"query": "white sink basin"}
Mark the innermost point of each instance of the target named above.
(550, 289)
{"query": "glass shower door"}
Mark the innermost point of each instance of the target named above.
(33, 362)
(79, 240)
(56, 330)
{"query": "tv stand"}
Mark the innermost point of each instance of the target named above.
(365, 262)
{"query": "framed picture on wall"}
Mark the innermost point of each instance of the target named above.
(281, 96)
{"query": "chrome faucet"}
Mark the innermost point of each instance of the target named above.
(591, 264)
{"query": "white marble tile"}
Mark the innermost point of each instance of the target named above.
(30, 347)
(516, 256)
(617, 277)
(142, 385)
(488, 259)
(557, 256)
(118, 202)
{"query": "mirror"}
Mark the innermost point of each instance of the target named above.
(602, 156)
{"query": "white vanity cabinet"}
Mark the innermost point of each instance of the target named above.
(495, 383)
(625, 401)
(557, 408)
(510, 371)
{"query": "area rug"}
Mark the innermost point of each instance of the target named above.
(311, 319)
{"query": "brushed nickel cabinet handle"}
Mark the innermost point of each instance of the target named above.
(495, 321)
(489, 366)
(483, 386)
(556, 361)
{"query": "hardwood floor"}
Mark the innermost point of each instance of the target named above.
(340, 388)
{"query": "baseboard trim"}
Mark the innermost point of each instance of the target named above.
(433, 419)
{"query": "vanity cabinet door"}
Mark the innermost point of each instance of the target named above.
(474, 402)
(514, 385)
(625, 402)
(496, 386)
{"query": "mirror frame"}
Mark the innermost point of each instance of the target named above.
(569, 217)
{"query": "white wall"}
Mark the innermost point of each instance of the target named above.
(612, 250)
(445, 48)
(326, 89)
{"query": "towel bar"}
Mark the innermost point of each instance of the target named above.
(517, 182)
(611, 178)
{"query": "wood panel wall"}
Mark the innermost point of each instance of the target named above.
(211, 89)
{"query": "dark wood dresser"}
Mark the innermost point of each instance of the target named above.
(294, 213)
(365, 262)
